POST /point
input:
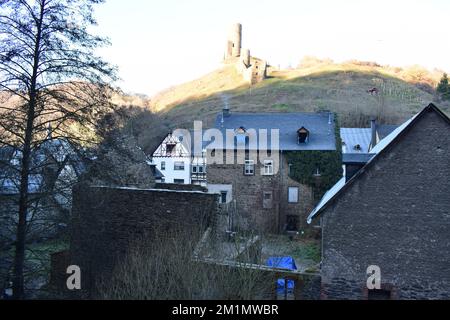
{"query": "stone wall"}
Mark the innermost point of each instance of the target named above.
(254, 72)
(107, 221)
(395, 215)
(181, 187)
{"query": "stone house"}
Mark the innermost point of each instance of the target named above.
(264, 196)
(393, 213)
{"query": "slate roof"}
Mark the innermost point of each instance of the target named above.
(322, 132)
(40, 159)
(10, 186)
(363, 136)
(356, 136)
(340, 187)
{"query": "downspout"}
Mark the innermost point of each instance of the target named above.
(321, 245)
(280, 191)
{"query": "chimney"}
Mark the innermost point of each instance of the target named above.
(226, 111)
(373, 129)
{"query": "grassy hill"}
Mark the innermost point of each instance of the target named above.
(314, 85)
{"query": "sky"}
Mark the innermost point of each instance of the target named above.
(159, 44)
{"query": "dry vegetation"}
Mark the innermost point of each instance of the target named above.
(314, 85)
(164, 269)
(223, 79)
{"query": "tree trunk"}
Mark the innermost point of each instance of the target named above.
(19, 258)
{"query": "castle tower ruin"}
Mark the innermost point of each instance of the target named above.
(245, 57)
(234, 42)
(254, 70)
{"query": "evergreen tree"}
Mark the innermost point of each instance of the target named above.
(443, 88)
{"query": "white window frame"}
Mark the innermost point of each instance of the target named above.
(268, 203)
(268, 168)
(163, 165)
(176, 166)
(290, 200)
(249, 164)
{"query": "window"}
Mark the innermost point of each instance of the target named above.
(293, 195)
(249, 168)
(178, 181)
(223, 197)
(267, 200)
(201, 169)
(170, 148)
(303, 135)
(268, 167)
(194, 169)
(179, 166)
(291, 223)
(163, 165)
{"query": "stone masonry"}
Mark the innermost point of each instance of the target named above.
(106, 221)
(395, 215)
(254, 70)
(248, 191)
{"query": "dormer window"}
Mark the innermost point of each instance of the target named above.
(357, 147)
(303, 135)
(241, 138)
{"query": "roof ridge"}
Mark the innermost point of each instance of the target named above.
(377, 150)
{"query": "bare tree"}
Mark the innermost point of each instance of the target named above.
(48, 74)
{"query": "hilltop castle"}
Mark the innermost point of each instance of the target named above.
(253, 69)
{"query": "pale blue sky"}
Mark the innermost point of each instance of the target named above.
(157, 44)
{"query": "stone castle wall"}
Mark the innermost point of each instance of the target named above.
(107, 221)
(253, 70)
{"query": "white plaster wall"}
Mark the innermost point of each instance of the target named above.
(169, 173)
(217, 188)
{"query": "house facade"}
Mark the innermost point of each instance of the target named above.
(259, 187)
(176, 161)
(393, 213)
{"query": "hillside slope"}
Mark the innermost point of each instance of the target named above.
(313, 86)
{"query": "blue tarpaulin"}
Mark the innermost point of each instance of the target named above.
(283, 263)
